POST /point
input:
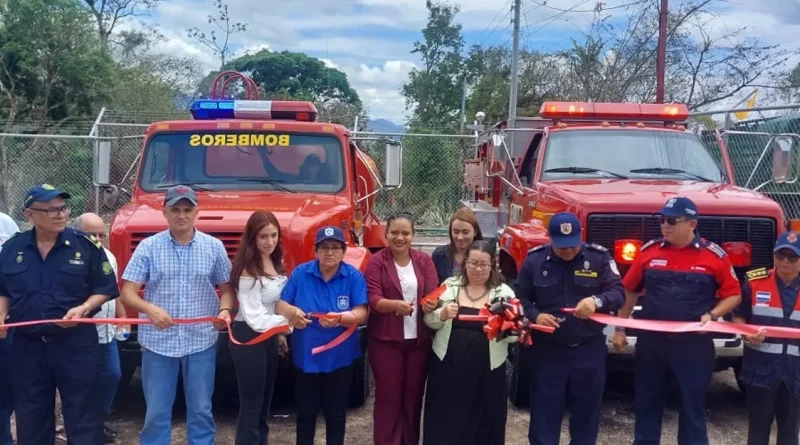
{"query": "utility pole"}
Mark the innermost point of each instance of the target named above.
(512, 99)
(661, 61)
(464, 104)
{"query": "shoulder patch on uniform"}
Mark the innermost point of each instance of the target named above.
(757, 274)
(597, 247)
(93, 239)
(716, 249)
(650, 243)
(537, 248)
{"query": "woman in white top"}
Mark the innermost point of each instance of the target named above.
(258, 275)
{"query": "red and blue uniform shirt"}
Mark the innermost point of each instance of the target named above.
(681, 284)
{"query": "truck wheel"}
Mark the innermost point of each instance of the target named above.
(517, 376)
(359, 387)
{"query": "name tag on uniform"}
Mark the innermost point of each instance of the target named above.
(76, 262)
(586, 273)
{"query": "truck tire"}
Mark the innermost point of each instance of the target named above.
(359, 387)
(517, 376)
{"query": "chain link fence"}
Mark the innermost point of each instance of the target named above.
(433, 164)
(752, 135)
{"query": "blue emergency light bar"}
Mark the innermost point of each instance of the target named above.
(211, 109)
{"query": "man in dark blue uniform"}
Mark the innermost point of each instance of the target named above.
(54, 272)
(686, 278)
(569, 365)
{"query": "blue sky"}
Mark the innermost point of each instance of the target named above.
(371, 40)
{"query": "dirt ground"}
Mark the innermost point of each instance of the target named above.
(727, 419)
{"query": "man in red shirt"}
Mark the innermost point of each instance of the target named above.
(686, 278)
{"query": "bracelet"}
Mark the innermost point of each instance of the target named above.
(619, 329)
(224, 309)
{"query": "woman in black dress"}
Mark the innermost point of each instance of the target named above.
(465, 402)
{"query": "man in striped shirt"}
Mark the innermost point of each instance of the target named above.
(181, 267)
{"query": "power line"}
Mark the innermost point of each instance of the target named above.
(596, 9)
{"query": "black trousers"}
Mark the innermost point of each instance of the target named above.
(256, 368)
(327, 392)
(767, 405)
(68, 363)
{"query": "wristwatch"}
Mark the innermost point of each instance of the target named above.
(598, 302)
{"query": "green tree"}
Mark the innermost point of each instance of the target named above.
(288, 75)
(53, 69)
(434, 92)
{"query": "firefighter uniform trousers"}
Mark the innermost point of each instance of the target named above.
(771, 370)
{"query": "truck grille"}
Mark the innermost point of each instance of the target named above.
(229, 239)
(759, 232)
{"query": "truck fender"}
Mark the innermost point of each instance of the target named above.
(357, 257)
(515, 242)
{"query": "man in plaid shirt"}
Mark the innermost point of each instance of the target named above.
(180, 268)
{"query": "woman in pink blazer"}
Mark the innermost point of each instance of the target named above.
(399, 342)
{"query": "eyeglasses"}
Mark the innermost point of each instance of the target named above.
(54, 212)
(476, 265)
(326, 249)
(783, 256)
(671, 221)
(99, 235)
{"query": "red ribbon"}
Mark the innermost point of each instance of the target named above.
(340, 338)
(677, 327)
(505, 317)
(264, 336)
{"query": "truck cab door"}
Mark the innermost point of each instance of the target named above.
(521, 205)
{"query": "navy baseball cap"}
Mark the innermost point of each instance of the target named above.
(679, 207)
(788, 240)
(178, 192)
(329, 233)
(44, 193)
(565, 230)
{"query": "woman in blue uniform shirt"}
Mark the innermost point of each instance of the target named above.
(324, 286)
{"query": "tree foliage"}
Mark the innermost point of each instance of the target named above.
(219, 44)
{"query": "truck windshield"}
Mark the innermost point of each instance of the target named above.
(634, 154)
(242, 160)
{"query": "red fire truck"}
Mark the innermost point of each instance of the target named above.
(247, 155)
(613, 165)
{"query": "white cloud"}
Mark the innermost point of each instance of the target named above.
(370, 40)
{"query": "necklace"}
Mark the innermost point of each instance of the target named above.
(475, 300)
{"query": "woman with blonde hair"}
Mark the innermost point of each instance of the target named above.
(462, 230)
(465, 402)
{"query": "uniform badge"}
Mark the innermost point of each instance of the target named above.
(19, 258)
(613, 266)
(791, 237)
(343, 302)
(107, 268)
(328, 232)
(762, 298)
(586, 265)
(671, 203)
(544, 273)
(566, 228)
(77, 260)
(48, 187)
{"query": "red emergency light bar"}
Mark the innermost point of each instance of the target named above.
(614, 111)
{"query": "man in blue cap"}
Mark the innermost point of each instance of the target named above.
(686, 278)
(181, 268)
(771, 366)
(326, 285)
(568, 366)
(54, 272)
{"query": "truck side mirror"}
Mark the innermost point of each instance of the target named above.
(497, 161)
(102, 163)
(783, 148)
(394, 165)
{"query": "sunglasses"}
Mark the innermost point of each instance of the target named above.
(783, 256)
(671, 221)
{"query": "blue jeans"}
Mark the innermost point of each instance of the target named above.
(6, 400)
(109, 374)
(160, 382)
